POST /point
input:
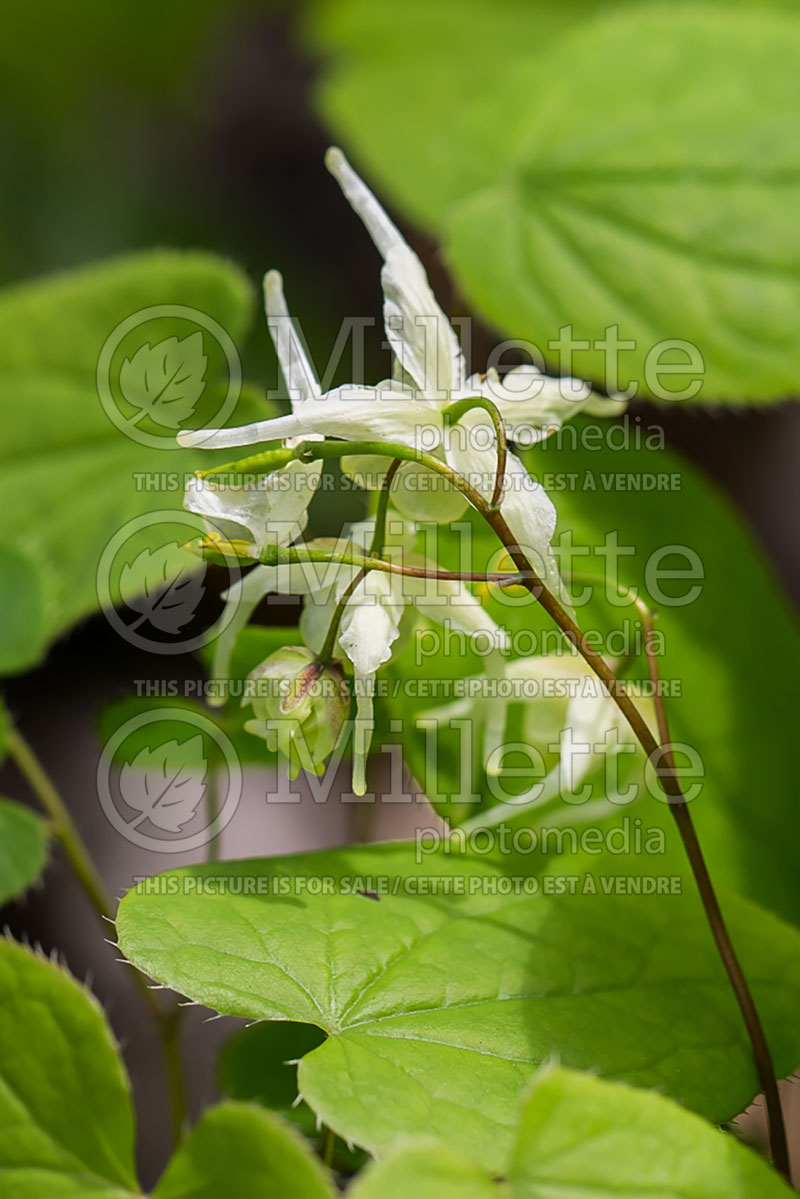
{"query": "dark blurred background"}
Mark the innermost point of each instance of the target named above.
(192, 124)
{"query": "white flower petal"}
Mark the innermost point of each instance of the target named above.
(528, 510)
(590, 716)
(398, 535)
(465, 612)
(470, 448)
(605, 406)
(370, 626)
(531, 404)
(381, 228)
(244, 596)
(363, 728)
(315, 619)
(422, 494)
(419, 332)
(371, 621)
(450, 601)
(531, 516)
(367, 470)
(298, 373)
(378, 416)
(272, 509)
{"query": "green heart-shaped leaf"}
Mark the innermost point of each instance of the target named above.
(442, 995)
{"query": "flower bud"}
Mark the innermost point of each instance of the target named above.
(300, 707)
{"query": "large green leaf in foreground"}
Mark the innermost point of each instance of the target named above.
(562, 202)
(581, 1136)
(66, 1121)
(441, 996)
(70, 478)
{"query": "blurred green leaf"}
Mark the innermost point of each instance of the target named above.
(239, 1149)
(22, 604)
(441, 997)
(580, 1135)
(66, 1120)
(23, 849)
(561, 201)
(71, 478)
(113, 716)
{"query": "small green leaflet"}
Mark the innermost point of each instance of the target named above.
(441, 998)
(22, 604)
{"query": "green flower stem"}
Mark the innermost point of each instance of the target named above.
(62, 825)
(659, 752)
(312, 451)
(379, 536)
(453, 414)
(66, 832)
(329, 645)
(296, 554)
(329, 1147)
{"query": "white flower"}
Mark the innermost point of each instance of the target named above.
(430, 375)
(371, 620)
(273, 508)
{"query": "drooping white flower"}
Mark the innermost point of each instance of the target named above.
(370, 622)
(430, 375)
(272, 508)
